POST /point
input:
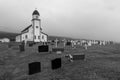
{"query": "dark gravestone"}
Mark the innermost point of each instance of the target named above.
(79, 57)
(34, 67)
(22, 48)
(56, 63)
(30, 44)
(43, 48)
(58, 49)
(68, 43)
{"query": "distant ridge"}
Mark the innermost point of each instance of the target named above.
(12, 36)
(9, 35)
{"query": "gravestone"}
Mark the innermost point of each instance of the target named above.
(57, 49)
(56, 43)
(43, 48)
(34, 67)
(56, 63)
(68, 43)
(30, 44)
(22, 48)
(78, 56)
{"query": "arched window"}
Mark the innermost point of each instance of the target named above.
(38, 37)
(26, 36)
(42, 36)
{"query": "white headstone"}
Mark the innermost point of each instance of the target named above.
(64, 42)
(56, 42)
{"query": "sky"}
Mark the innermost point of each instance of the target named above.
(83, 19)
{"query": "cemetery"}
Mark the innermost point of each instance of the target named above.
(41, 61)
(59, 40)
(34, 57)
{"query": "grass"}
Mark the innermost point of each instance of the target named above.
(6, 76)
(102, 63)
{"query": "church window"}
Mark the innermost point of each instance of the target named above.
(26, 36)
(42, 37)
(36, 26)
(38, 37)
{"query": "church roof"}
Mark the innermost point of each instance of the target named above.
(26, 28)
(35, 12)
(44, 33)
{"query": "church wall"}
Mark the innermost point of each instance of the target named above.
(18, 38)
(43, 37)
(30, 34)
(23, 36)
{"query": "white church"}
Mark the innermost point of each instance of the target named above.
(34, 31)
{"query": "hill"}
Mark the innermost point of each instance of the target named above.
(9, 35)
(12, 36)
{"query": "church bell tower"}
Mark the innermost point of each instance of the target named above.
(36, 23)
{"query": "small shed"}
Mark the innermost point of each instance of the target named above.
(4, 40)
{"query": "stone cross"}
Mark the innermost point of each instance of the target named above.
(56, 42)
(64, 42)
(72, 43)
(85, 46)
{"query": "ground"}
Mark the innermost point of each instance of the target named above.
(101, 63)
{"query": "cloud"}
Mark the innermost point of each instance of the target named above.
(94, 19)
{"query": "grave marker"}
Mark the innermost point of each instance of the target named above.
(64, 42)
(43, 48)
(56, 63)
(86, 46)
(34, 67)
(22, 48)
(30, 44)
(57, 49)
(56, 43)
(68, 43)
(73, 43)
(78, 56)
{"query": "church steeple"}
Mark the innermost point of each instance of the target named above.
(36, 23)
(35, 14)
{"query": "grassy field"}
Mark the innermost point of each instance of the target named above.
(101, 63)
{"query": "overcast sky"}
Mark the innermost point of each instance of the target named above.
(88, 19)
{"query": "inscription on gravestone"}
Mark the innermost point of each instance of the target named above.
(34, 67)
